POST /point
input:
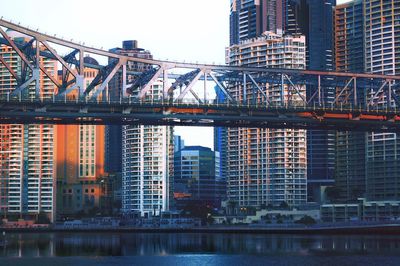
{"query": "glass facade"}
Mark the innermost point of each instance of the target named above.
(314, 19)
(220, 146)
(196, 177)
(368, 163)
(382, 55)
(250, 18)
(349, 57)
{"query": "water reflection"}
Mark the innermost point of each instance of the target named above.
(113, 244)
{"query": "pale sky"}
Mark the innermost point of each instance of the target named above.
(182, 30)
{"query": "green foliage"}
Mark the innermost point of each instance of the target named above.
(306, 220)
(197, 210)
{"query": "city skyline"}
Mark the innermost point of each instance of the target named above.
(242, 13)
(294, 115)
(190, 48)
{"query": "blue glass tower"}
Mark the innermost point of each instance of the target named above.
(314, 19)
(250, 18)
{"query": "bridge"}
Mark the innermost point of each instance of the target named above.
(187, 94)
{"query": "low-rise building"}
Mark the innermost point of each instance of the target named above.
(363, 210)
(197, 180)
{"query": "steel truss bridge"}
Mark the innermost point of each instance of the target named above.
(306, 99)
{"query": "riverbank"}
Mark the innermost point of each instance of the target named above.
(348, 229)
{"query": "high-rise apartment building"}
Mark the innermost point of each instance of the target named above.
(80, 167)
(147, 166)
(196, 177)
(349, 57)
(349, 37)
(79, 152)
(250, 18)
(147, 152)
(113, 155)
(375, 173)
(382, 55)
(267, 166)
(26, 151)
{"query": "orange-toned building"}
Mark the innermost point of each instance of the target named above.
(80, 163)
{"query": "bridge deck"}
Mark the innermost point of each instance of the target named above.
(65, 111)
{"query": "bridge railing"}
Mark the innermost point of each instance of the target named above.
(211, 104)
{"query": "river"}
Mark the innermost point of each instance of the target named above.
(197, 249)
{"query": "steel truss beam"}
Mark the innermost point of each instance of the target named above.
(179, 80)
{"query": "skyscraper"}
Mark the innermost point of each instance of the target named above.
(113, 155)
(382, 55)
(349, 37)
(295, 16)
(250, 18)
(179, 143)
(220, 146)
(314, 19)
(375, 173)
(147, 152)
(27, 151)
(80, 161)
(349, 57)
(147, 166)
(267, 166)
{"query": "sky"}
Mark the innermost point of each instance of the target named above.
(181, 30)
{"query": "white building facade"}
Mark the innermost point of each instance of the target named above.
(26, 151)
(147, 165)
(267, 166)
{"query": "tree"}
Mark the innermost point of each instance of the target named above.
(198, 210)
(306, 220)
(267, 219)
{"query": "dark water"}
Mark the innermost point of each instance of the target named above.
(198, 249)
